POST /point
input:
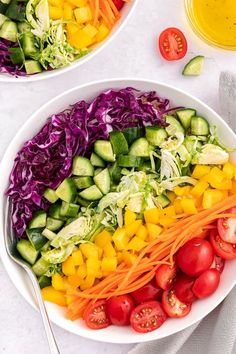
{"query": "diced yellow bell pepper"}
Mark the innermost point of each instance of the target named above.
(199, 189)
(200, 171)
(82, 271)
(70, 298)
(100, 253)
(109, 250)
(72, 28)
(136, 244)
(93, 266)
(78, 3)
(55, 296)
(58, 282)
(188, 206)
(90, 30)
(87, 283)
(131, 229)
(119, 256)
(56, 3)
(211, 197)
(103, 32)
(129, 258)
(103, 238)
(171, 196)
(177, 206)
(168, 211)
(228, 170)
(89, 250)
(225, 194)
(67, 12)
(142, 232)
(68, 267)
(108, 265)
(216, 176)
(153, 231)
(83, 14)
(80, 40)
(198, 202)
(129, 217)
(77, 258)
(74, 280)
(120, 239)
(152, 215)
(226, 184)
(233, 189)
(166, 221)
(55, 13)
(182, 191)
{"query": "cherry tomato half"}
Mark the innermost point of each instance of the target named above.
(173, 306)
(207, 283)
(218, 263)
(172, 44)
(95, 315)
(223, 249)
(195, 256)
(147, 317)
(118, 4)
(148, 292)
(227, 227)
(183, 288)
(165, 276)
(119, 309)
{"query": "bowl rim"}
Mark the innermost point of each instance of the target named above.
(47, 75)
(29, 296)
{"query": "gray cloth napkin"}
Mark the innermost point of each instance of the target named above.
(216, 333)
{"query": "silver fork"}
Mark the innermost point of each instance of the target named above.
(10, 244)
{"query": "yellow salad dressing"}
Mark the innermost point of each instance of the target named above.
(216, 20)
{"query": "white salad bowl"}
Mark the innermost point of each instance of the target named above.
(57, 314)
(126, 13)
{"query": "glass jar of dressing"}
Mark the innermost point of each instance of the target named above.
(214, 21)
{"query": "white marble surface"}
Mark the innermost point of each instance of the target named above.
(132, 54)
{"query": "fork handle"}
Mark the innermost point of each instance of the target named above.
(47, 326)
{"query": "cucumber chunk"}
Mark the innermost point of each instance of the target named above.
(36, 238)
(27, 43)
(83, 202)
(119, 143)
(163, 200)
(115, 173)
(16, 55)
(96, 161)
(44, 281)
(2, 19)
(83, 182)
(27, 251)
(32, 67)
(40, 267)
(49, 234)
(54, 224)
(54, 211)
(91, 193)
(23, 27)
(9, 31)
(194, 67)
(103, 181)
(132, 134)
(81, 166)
(38, 220)
(50, 195)
(97, 171)
(174, 126)
(129, 161)
(66, 190)
(140, 148)
(69, 209)
(103, 149)
(199, 126)
(156, 135)
(185, 116)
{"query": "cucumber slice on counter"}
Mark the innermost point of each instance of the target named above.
(194, 67)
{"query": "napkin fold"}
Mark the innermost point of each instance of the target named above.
(216, 333)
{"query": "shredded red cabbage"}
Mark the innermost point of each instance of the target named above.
(6, 65)
(45, 160)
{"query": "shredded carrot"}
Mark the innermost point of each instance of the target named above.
(159, 251)
(114, 9)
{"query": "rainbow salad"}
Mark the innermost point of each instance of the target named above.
(39, 35)
(125, 208)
